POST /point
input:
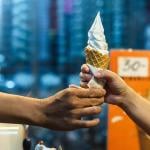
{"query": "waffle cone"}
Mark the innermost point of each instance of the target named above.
(96, 59)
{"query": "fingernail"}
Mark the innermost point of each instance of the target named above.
(87, 69)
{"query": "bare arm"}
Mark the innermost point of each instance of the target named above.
(18, 109)
(62, 111)
(119, 93)
(138, 108)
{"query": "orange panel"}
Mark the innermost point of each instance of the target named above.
(122, 132)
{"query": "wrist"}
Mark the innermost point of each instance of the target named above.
(37, 112)
(40, 115)
(19, 109)
(32, 111)
(129, 99)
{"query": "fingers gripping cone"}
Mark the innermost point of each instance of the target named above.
(97, 55)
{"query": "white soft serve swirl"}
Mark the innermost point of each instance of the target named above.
(96, 37)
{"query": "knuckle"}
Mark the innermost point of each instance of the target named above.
(68, 92)
(86, 77)
(72, 103)
(83, 66)
(73, 114)
(93, 91)
(86, 125)
(97, 92)
(91, 94)
(96, 110)
(100, 92)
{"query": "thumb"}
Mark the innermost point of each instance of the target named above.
(105, 74)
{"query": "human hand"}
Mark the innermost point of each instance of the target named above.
(64, 110)
(116, 89)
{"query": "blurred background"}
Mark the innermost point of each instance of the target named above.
(42, 48)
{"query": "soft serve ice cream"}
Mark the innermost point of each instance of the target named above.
(97, 54)
(96, 37)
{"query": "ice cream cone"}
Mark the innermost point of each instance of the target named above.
(97, 54)
(96, 59)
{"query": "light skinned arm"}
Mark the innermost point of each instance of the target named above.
(62, 111)
(138, 108)
(119, 93)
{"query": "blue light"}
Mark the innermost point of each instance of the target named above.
(10, 84)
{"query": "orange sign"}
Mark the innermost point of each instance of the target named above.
(134, 68)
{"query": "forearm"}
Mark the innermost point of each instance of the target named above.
(138, 109)
(18, 109)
